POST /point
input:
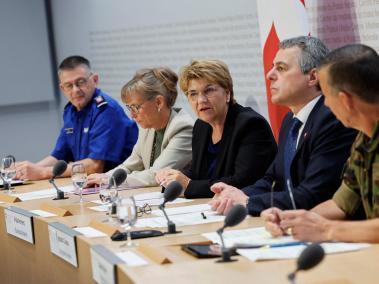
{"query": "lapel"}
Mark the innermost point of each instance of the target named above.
(146, 154)
(307, 131)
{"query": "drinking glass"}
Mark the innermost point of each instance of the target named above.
(79, 178)
(108, 194)
(8, 171)
(127, 216)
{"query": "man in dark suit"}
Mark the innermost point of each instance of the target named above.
(313, 144)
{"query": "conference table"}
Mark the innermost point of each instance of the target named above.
(33, 261)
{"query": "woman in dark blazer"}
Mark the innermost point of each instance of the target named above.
(230, 143)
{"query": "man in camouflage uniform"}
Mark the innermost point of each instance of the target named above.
(349, 78)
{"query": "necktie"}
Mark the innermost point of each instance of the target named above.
(290, 148)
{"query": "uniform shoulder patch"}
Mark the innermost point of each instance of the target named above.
(100, 101)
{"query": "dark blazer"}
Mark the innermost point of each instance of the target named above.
(247, 149)
(316, 169)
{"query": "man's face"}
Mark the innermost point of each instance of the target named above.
(78, 85)
(287, 81)
(333, 100)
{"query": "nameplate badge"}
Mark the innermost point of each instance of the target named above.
(104, 265)
(19, 223)
(63, 242)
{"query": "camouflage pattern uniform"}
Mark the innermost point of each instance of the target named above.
(360, 184)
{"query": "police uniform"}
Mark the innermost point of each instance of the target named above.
(100, 131)
(360, 185)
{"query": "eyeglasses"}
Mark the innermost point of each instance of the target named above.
(145, 209)
(80, 83)
(208, 92)
(135, 108)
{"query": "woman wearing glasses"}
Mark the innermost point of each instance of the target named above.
(230, 143)
(164, 139)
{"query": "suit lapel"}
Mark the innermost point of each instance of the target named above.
(307, 131)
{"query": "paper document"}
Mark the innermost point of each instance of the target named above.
(90, 232)
(181, 220)
(184, 210)
(43, 213)
(293, 252)
(251, 236)
(44, 193)
(153, 199)
(131, 258)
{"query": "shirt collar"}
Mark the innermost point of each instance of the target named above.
(304, 113)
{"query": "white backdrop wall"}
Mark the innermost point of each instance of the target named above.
(121, 36)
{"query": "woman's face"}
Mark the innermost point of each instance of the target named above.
(208, 100)
(143, 111)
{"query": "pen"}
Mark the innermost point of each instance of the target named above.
(203, 215)
(289, 244)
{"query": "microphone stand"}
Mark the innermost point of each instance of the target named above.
(225, 252)
(60, 193)
(171, 227)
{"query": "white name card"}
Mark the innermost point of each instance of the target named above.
(63, 242)
(19, 223)
(104, 265)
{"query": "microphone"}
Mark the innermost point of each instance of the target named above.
(117, 178)
(235, 216)
(173, 190)
(58, 169)
(309, 258)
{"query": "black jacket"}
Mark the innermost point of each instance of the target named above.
(247, 149)
(323, 149)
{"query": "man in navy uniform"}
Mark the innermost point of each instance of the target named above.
(96, 130)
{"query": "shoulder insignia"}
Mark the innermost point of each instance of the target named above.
(100, 101)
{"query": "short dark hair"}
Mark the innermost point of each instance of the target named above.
(72, 62)
(354, 68)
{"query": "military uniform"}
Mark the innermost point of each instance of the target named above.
(360, 185)
(100, 131)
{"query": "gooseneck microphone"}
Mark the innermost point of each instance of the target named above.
(235, 216)
(117, 178)
(173, 190)
(58, 169)
(309, 258)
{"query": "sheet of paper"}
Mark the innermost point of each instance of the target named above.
(293, 252)
(251, 236)
(184, 210)
(180, 220)
(131, 258)
(44, 193)
(153, 199)
(90, 232)
(43, 213)
(100, 208)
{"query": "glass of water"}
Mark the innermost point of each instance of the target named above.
(8, 171)
(79, 178)
(127, 216)
(108, 194)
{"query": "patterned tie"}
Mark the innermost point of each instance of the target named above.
(290, 148)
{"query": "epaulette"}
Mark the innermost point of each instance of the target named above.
(100, 101)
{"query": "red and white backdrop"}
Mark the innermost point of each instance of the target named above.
(278, 20)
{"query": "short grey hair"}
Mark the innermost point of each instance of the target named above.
(313, 51)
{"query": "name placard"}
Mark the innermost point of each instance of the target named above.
(104, 265)
(19, 223)
(63, 242)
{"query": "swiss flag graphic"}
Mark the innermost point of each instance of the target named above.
(279, 20)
